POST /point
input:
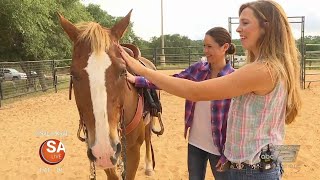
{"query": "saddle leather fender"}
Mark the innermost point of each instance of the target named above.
(152, 102)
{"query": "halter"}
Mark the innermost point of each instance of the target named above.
(122, 130)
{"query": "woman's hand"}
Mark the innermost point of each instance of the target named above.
(131, 78)
(222, 167)
(132, 63)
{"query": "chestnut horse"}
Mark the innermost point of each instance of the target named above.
(103, 97)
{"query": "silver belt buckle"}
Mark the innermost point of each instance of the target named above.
(267, 166)
(255, 166)
(239, 166)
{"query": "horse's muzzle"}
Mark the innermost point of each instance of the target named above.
(103, 155)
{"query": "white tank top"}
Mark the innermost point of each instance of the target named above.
(200, 134)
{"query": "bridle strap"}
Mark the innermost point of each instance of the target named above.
(81, 127)
(125, 75)
(122, 134)
(137, 117)
(70, 87)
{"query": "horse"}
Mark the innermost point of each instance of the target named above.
(110, 108)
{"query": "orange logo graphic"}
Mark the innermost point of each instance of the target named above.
(52, 151)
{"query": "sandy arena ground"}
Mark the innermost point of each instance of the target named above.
(23, 121)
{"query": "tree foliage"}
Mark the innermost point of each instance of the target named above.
(29, 30)
(312, 40)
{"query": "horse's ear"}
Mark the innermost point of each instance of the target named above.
(69, 28)
(120, 28)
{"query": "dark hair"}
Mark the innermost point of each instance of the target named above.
(222, 36)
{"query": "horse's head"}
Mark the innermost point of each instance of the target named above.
(98, 83)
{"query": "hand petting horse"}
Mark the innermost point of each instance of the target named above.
(110, 108)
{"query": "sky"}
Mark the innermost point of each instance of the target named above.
(192, 18)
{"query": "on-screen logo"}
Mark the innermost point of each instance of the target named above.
(52, 151)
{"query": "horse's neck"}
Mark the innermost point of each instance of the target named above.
(130, 103)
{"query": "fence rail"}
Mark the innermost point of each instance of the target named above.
(20, 78)
(311, 64)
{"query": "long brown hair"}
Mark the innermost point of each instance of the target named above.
(278, 50)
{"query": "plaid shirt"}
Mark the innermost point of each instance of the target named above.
(255, 121)
(201, 71)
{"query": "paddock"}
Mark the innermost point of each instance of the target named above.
(26, 123)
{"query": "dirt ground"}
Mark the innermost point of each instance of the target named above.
(26, 123)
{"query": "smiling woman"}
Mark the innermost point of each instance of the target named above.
(206, 138)
(265, 93)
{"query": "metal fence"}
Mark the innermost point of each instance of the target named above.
(20, 78)
(173, 57)
(311, 64)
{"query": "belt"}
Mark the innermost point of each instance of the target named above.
(256, 166)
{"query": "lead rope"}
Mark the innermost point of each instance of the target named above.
(122, 165)
(82, 127)
(92, 175)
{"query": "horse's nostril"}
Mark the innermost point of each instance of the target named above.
(90, 155)
(113, 160)
(118, 148)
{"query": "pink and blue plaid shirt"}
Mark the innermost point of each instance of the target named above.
(201, 71)
(254, 122)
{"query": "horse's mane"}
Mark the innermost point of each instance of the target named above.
(95, 34)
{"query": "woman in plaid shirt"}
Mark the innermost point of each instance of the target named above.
(265, 93)
(206, 137)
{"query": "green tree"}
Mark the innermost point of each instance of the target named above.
(30, 29)
(101, 16)
(106, 20)
(312, 40)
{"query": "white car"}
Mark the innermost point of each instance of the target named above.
(9, 74)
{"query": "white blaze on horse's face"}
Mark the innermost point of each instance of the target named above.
(96, 69)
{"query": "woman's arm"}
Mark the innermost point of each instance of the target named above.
(141, 81)
(250, 78)
(253, 77)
